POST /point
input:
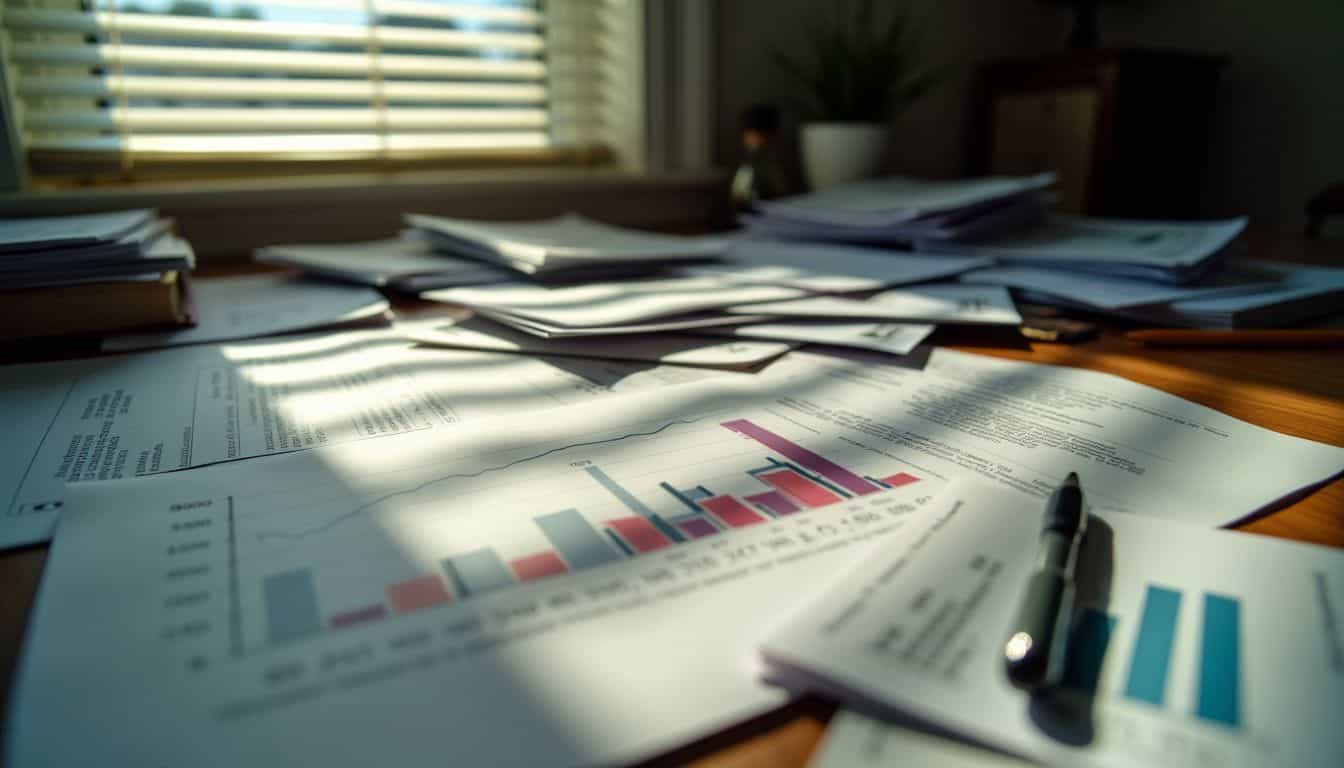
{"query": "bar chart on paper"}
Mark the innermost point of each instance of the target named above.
(444, 540)
(1148, 666)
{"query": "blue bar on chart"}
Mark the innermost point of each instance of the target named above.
(477, 572)
(576, 540)
(1152, 650)
(634, 504)
(291, 606)
(1219, 697)
(1087, 650)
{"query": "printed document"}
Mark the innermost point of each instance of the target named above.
(948, 303)
(595, 577)
(128, 415)
(670, 348)
(606, 304)
(1189, 646)
(831, 268)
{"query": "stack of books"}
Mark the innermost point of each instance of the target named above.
(92, 273)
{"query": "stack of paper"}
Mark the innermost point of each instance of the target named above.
(900, 209)
(568, 245)
(91, 273)
(406, 264)
(598, 309)
(829, 268)
(939, 303)
(670, 348)
(60, 250)
(1164, 251)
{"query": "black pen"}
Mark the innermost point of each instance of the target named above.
(1034, 653)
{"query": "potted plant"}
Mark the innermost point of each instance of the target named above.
(860, 76)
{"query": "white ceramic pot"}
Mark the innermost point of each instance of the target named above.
(834, 153)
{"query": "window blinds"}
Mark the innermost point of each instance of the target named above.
(295, 79)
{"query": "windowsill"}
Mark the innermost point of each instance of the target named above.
(226, 219)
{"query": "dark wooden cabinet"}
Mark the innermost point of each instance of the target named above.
(1128, 130)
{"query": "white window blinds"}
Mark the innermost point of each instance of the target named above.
(296, 79)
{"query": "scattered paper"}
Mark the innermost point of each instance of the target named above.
(669, 348)
(561, 243)
(406, 264)
(601, 304)
(1175, 658)
(970, 304)
(557, 574)
(899, 199)
(892, 338)
(1126, 247)
(113, 417)
(231, 308)
(831, 268)
(1116, 292)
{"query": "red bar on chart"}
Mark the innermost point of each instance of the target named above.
(803, 457)
(640, 533)
(418, 593)
(697, 528)
(358, 616)
(775, 502)
(538, 566)
(799, 487)
(899, 479)
(731, 511)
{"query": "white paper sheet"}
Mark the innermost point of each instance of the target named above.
(892, 338)
(600, 304)
(412, 584)
(406, 264)
(1117, 292)
(1177, 657)
(563, 242)
(831, 268)
(692, 321)
(1081, 240)
(127, 415)
(898, 199)
(231, 308)
(60, 231)
(941, 303)
(669, 348)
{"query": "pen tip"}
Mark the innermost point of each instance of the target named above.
(1072, 479)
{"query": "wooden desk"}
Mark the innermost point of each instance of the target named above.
(1295, 391)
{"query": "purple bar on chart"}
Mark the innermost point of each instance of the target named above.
(414, 594)
(899, 479)
(813, 461)
(697, 528)
(639, 533)
(799, 487)
(358, 616)
(731, 511)
(775, 502)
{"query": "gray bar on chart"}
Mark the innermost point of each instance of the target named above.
(477, 572)
(291, 606)
(575, 539)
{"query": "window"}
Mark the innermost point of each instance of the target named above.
(135, 88)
